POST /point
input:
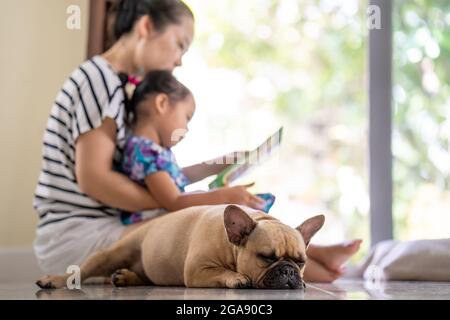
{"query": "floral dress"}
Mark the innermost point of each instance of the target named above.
(143, 157)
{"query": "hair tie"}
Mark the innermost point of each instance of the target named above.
(133, 80)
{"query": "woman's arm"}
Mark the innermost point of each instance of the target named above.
(205, 169)
(94, 152)
(169, 196)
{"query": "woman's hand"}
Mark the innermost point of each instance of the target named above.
(240, 195)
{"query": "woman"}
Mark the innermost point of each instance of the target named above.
(80, 194)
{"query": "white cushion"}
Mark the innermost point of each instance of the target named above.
(408, 260)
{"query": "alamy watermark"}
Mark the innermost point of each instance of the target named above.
(73, 21)
(374, 277)
(74, 280)
(373, 17)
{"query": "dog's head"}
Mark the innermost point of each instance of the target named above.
(270, 253)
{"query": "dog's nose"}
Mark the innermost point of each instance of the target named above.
(290, 277)
(288, 271)
(283, 276)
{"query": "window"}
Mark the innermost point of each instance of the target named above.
(421, 109)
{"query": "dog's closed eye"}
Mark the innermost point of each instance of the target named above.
(300, 263)
(267, 258)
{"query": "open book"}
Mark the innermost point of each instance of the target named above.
(251, 159)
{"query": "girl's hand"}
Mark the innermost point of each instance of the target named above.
(240, 195)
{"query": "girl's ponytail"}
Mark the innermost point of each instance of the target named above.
(129, 109)
(125, 17)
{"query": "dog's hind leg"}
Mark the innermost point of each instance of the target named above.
(122, 254)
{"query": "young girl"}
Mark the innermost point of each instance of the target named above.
(158, 115)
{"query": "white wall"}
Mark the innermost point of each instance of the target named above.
(37, 53)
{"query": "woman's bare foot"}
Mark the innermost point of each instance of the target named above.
(316, 272)
(334, 257)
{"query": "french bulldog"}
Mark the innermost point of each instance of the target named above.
(221, 246)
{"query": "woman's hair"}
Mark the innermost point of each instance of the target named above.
(155, 82)
(161, 12)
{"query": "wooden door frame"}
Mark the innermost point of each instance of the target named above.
(98, 37)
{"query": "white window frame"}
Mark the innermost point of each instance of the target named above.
(380, 125)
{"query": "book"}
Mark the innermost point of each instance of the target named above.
(251, 159)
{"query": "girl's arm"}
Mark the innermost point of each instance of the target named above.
(94, 151)
(164, 189)
(205, 169)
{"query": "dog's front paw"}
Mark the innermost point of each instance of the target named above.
(123, 278)
(240, 281)
(51, 282)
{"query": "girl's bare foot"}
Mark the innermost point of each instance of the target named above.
(334, 257)
(316, 272)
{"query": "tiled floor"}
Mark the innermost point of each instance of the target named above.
(342, 289)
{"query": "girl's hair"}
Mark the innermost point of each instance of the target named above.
(161, 12)
(155, 82)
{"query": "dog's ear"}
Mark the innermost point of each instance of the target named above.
(238, 224)
(310, 227)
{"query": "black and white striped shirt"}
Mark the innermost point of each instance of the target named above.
(91, 93)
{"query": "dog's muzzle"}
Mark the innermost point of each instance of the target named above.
(282, 276)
